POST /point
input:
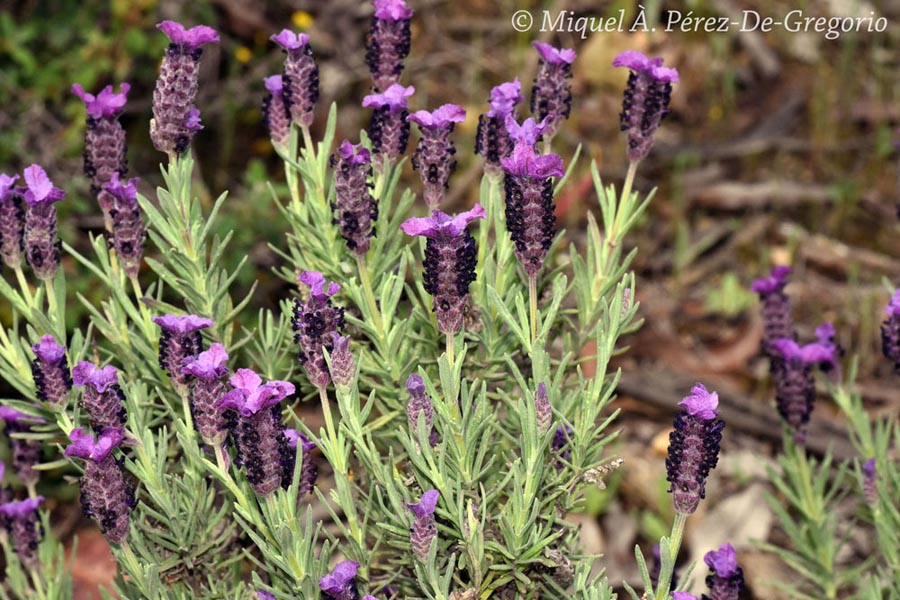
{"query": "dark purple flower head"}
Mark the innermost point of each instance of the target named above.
(87, 373)
(354, 154)
(526, 163)
(393, 10)
(106, 104)
(84, 446)
(693, 448)
(308, 469)
(442, 225)
(776, 308)
(440, 118)
(504, 98)
(726, 580)
(21, 508)
(794, 384)
(340, 584)
(250, 395)
(554, 56)
(209, 364)
(190, 39)
(424, 508)
(40, 189)
(11, 415)
(182, 324)
(772, 284)
(48, 350)
(890, 332)
(290, 41)
(646, 100)
(394, 98)
(126, 222)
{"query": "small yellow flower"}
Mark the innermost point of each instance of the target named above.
(302, 19)
(243, 54)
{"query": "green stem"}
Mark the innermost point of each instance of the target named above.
(532, 303)
(23, 284)
(662, 592)
(220, 458)
(186, 407)
(366, 283)
(624, 207)
(449, 349)
(38, 583)
(32, 490)
(53, 307)
(326, 411)
(138, 298)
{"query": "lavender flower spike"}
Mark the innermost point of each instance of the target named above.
(890, 332)
(355, 209)
(308, 469)
(646, 100)
(21, 522)
(262, 446)
(776, 309)
(420, 406)
(389, 129)
(693, 448)
(551, 96)
(434, 155)
(12, 221)
(301, 76)
(542, 409)
(870, 482)
(423, 528)
(175, 118)
(50, 371)
(25, 453)
(128, 233)
(41, 243)
(106, 495)
(275, 111)
(343, 364)
(104, 141)
(529, 203)
(103, 398)
(314, 321)
(795, 390)
(450, 257)
(726, 579)
(180, 339)
(388, 42)
(492, 140)
(208, 370)
(340, 584)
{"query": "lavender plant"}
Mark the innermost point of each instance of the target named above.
(458, 426)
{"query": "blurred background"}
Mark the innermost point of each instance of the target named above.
(780, 149)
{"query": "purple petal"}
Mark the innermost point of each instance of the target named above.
(209, 364)
(459, 222)
(817, 353)
(316, 283)
(183, 323)
(274, 84)
(393, 98)
(126, 191)
(893, 307)
(415, 385)
(638, 61)
(723, 561)
(393, 10)
(293, 436)
(14, 416)
(40, 188)
(504, 98)
(87, 373)
(553, 55)
(264, 595)
(22, 508)
(192, 121)
(245, 380)
(787, 348)
(48, 350)
(775, 282)
(335, 583)
(289, 40)
(701, 403)
(425, 507)
(440, 118)
(683, 596)
(192, 38)
(354, 154)
(868, 467)
(106, 104)
(7, 184)
(527, 133)
(524, 162)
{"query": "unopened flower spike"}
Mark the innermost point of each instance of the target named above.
(492, 140)
(314, 321)
(103, 398)
(50, 371)
(21, 521)
(389, 129)
(301, 76)
(646, 100)
(263, 449)
(180, 339)
(275, 111)
(870, 482)
(420, 407)
(530, 215)
(890, 332)
(726, 579)
(551, 96)
(308, 469)
(127, 223)
(354, 207)
(450, 260)
(423, 528)
(795, 389)
(343, 364)
(106, 495)
(12, 221)
(340, 584)
(175, 118)
(208, 370)
(104, 141)
(434, 157)
(40, 236)
(26, 454)
(693, 448)
(542, 409)
(388, 42)
(776, 307)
